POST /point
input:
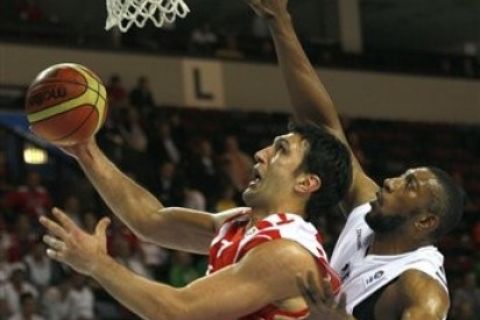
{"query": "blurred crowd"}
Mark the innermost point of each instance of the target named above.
(202, 159)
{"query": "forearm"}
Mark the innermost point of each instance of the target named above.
(308, 95)
(134, 205)
(147, 299)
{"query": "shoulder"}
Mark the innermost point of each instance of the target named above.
(419, 291)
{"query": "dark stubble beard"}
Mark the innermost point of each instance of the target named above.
(384, 224)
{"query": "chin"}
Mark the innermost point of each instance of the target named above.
(249, 197)
(381, 223)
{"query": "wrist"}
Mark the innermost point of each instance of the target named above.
(85, 153)
(281, 25)
(100, 265)
(280, 20)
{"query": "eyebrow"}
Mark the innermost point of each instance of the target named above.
(411, 177)
(281, 140)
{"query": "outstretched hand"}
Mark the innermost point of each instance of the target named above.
(321, 300)
(269, 8)
(69, 244)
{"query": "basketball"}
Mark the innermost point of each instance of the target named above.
(66, 104)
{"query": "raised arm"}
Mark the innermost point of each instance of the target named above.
(174, 227)
(308, 95)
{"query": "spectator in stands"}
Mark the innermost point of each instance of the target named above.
(122, 252)
(117, 94)
(5, 238)
(22, 238)
(15, 287)
(83, 300)
(156, 260)
(30, 12)
(141, 97)
(163, 146)
(227, 198)
(476, 235)
(5, 267)
(202, 169)
(119, 229)
(464, 312)
(203, 40)
(469, 292)
(89, 221)
(192, 197)
(72, 204)
(28, 310)
(132, 131)
(39, 266)
(57, 301)
(178, 132)
(110, 138)
(135, 158)
(166, 186)
(463, 253)
(32, 198)
(4, 312)
(240, 165)
(230, 49)
(182, 270)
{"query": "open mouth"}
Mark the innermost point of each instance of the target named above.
(256, 177)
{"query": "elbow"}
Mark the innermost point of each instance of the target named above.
(147, 228)
(142, 235)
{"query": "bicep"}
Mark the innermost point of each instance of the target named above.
(181, 229)
(185, 229)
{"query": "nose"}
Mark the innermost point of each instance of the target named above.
(260, 155)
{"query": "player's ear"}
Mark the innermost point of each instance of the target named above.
(427, 222)
(307, 183)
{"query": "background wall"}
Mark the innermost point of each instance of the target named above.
(250, 86)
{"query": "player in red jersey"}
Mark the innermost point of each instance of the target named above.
(254, 253)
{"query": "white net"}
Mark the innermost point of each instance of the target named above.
(125, 13)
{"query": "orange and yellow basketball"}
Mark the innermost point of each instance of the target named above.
(66, 104)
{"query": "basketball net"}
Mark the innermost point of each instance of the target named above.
(125, 13)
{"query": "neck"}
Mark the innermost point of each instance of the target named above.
(391, 244)
(259, 213)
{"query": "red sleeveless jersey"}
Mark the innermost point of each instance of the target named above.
(233, 241)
